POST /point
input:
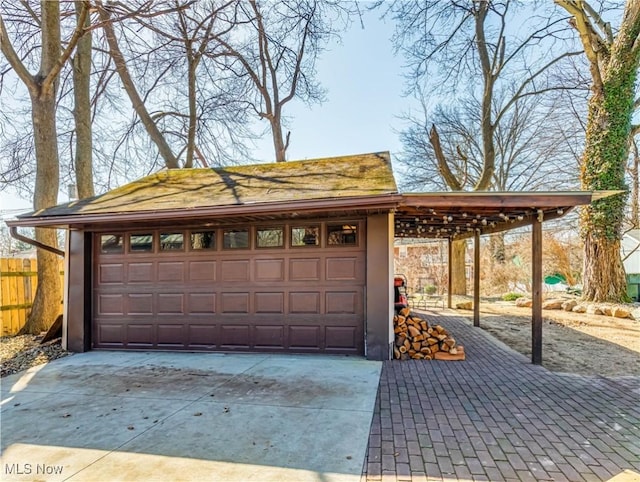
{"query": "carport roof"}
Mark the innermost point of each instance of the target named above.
(458, 215)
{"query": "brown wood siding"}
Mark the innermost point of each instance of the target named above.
(290, 299)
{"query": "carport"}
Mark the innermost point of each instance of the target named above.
(462, 215)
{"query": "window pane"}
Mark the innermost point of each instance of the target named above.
(270, 237)
(235, 238)
(111, 243)
(342, 234)
(305, 236)
(203, 240)
(141, 242)
(171, 241)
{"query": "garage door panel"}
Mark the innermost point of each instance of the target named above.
(268, 337)
(269, 303)
(304, 269)
(234, 303)
(202, 336)
(341, 302)
(235, 270)
(343, 268)
(140, 304)
(304, 302)
(170, 303)
(141, 334)
(140, 272)
(171, 271)
(235, 336)
(110, 304)
(111, 273)
(304, 337)
(112, 334)
(271, 270)
(341, 337)
(202, 303)
(202, 270)
(171, 335)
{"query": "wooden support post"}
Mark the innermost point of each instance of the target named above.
(536, 286)
(450, 268)
(476, 279)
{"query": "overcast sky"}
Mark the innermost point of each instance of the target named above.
(364, 100)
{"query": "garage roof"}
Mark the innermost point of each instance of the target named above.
(356, 176)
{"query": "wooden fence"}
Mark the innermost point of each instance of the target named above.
(18, 282)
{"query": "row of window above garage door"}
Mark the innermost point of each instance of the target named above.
(342, 234)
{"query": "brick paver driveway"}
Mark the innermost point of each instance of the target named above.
(497, 417)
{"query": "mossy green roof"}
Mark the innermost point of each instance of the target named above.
(338, 177)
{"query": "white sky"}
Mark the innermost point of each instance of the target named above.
(364, 100)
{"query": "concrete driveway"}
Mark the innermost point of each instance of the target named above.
(188, 416)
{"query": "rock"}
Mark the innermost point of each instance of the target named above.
(594, 310)
(620, 312)
(524, 302)
(607, 310)
(579, 309)
(635, 314)
(552, 304)
(569, 305)
(465, 305)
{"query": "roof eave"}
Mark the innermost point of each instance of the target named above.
(380, 201)
(491, 199)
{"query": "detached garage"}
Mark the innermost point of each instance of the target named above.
(292, 257)
(270, 257)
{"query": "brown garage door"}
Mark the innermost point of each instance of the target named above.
(293, 287)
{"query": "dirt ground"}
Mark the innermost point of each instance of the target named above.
(572, 342)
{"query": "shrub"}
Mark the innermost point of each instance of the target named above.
(511, 296)
(430, 289)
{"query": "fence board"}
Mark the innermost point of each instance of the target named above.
(18, 283)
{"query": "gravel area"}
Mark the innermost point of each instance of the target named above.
(19, 353)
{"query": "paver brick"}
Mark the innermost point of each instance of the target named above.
(496, 417)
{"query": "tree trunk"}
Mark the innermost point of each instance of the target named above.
(603, 168)
(603, 263)
(82, 112)
(279, 143)
(634, 172)
(496, 246)
(46, 305)
(458, 268)
(193, 114)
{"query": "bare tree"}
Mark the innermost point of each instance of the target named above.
(613, 58)
(154, 49)
(42, 87)
(275, 47)
(465, 41)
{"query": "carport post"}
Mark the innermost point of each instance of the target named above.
(450, 270)
(536, 288)
(476, 278)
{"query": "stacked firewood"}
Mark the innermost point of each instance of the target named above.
(416, 339)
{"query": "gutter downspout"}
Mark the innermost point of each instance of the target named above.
(14, 234)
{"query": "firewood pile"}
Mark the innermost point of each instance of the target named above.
(416, 339)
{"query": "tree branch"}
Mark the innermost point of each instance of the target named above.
(52, 75)
(14, 60)
(443, 165)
